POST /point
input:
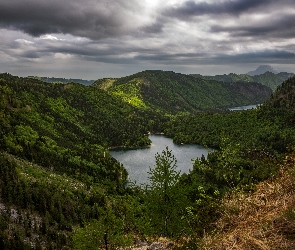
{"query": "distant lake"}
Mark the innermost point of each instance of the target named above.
(138, 161)
(244, 107)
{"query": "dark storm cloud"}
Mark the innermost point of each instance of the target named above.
(191, 8)
(173, 58)
(88, 18)
(71, 35)
(31, 54)
(266, 56)
(155, 28)
(85, 49)
(278, 27)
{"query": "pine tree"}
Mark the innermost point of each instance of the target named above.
(166, 201)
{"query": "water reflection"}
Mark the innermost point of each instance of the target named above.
(244, 107)
(138, 161)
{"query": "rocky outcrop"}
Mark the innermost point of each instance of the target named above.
(160, 244)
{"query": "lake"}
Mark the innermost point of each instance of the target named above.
(244, 107)
(137, 161)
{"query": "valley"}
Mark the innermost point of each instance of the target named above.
(61, 187)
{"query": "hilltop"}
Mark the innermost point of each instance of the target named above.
(261, 70)
(174, 92)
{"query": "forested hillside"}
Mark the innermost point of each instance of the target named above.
(269, 79)
(252, 139)
(61, 189)
(56, 170)
(79, 112)
(171, 92)
(284, 97)
(264, 218)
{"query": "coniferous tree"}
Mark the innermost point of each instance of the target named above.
(166, 201)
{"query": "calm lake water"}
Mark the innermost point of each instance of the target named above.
(244, 107)
(138, 161)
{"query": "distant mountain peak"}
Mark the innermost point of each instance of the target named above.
(261, 70)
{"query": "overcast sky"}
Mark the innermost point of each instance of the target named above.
(92, 39)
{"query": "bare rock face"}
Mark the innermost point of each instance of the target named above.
(157, 245)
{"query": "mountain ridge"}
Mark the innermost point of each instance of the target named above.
(175, 92)
(62, 80)
(268, 79)
(261, 70)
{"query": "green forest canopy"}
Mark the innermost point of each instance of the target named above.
(60, 179)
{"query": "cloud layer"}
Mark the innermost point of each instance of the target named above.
(100, 38)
